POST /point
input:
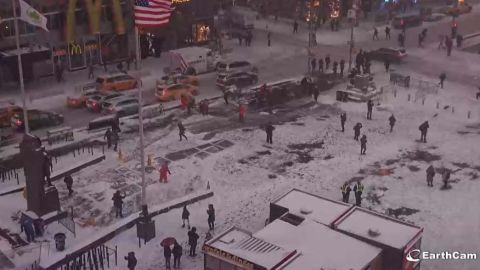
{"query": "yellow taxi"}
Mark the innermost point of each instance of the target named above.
(115, 82)
(180, 78)
(174, 91)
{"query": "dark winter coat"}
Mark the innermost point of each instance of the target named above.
(192, 237)
(357, 128)
(269, 129)
(370, 105)
(185, 213)
(177, 251)
(181, 128)
(358, 188)
(68, 180)
(363, 140)
(424, 127)
(108, 135)
(211, 214)
(131, 260)
(343, 117)
(167, 252)
(117, 199)
(392, 120)
(430, 172)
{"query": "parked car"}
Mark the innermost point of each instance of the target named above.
(174, 91)
(459, 9)
(175, 78)
(121, 106)
(407, 20)
(6, 113)
(235, 66)
(391, 54)
(95, 103)
(115, 82)
(239, 79)
(36, 119)
(80, 100)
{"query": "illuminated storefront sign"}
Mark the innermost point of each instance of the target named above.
(222, 255)
(180, 1)
(94, 12)
(75, 49)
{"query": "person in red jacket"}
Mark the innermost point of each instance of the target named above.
(163, 172)
(184, 101)
(241, 112)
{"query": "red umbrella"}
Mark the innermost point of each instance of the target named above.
(168, 241)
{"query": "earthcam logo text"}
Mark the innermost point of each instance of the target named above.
(416, 255)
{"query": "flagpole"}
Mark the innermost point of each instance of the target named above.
(20, 67)
(140, 119)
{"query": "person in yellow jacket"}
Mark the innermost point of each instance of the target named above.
(345, 192)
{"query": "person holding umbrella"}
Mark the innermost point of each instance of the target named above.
(167, 251)
(177, 254)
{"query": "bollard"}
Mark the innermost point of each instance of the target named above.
(395, 93)
(208, 185)
(438, 104)
(409, 97)
(468, 114)
(423, 101)
(453, 109)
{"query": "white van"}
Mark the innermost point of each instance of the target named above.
(194, 60)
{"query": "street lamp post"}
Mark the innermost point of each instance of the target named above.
(352, 17)
(310, 35)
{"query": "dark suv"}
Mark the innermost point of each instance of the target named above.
(36, 119)
(239, 79)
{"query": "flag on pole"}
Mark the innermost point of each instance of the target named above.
(152, 13)
(29, 15)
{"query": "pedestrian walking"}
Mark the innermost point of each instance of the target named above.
(185, 217)
(226, 93)
(320, 65)
(401, 40)
(430, 175)
(459, 40)
(241, 112)
(363, 144)
(240, 38)
(358, 190)
(423, 131)
(442, 78)
(69, 183)
(167, 253)
(327, 62)
(315, 92)
(345, 188)
(314, 64)
(192, 241)
(424, 33)
(387, 32)
(181, 131)
(356, 130)
(359, 60)
(375, 33)
(449, 45)
(369, 109)
(392, 121)
(335, 67)
(90, 71)
(211, 217)
(164, 172)
(295, 26)
(343, 119)
(342, 67)
(26, 225)
(177, 252)
(366, 69)
(269, 128)
(454, 31)
(269, 38)
(131, 260)
(445, 178)
(118, 203)
(386, 62)
(114, 140)
(420, 40)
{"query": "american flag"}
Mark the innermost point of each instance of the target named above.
(152, 13)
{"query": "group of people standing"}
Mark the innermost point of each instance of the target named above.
(357, 189)
(324, 65)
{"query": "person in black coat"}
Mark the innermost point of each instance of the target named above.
(442, 78)
(363, 144)
(327, 62)
(423, 131)
(392, 121)
(131, 260)
(177, 254)
(211, 217)
(343, 119)
(342, 67)
(69, 182)
(320, 65)
(313, 64)
(108, 137)
(269, 128)
(181, 131)
(185, 216)
(356, 130)
(118, 203)
(335, 67)
(387, 32)
(167, 253)
(430, 175)
(345, 188)
(386, 62)
(115, 139)
(192, 241)
(369, 109)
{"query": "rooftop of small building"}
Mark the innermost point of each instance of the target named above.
(318, 246)
(314, 207)
(378, 228)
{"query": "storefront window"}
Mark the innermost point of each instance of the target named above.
(91, 52)
(76, 52)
